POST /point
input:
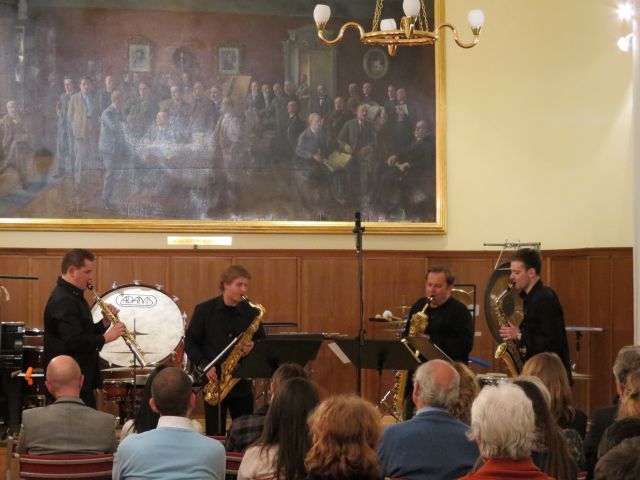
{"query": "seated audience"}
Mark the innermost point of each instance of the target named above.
(469, 389)
(503, 424)
(146, 418)
(630, 400)
(627, 361)
(172, 450)
(246, 429)
(617, 432)
(344, 432)
(550, 450)
(621, 463)
(284, 442)
(67, 426)
(433, 444)
(546, 366)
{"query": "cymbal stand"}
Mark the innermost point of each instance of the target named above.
(511, 246)
(358, 230)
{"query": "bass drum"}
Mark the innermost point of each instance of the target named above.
(152, 316)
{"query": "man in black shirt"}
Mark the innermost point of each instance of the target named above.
(214, 324)
(68, 323)
(450, 326)
(542, 328)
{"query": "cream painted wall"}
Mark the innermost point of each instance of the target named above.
(538, 138)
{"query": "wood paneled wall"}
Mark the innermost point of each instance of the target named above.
(318, 290)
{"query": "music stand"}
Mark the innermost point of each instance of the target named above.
(379, 354)
(426, 348)
(273, 350)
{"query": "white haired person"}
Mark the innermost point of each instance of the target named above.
(503, 424)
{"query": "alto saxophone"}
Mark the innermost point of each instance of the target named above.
(417, 324)
(216, 390)
(507, 351)
(129, 339)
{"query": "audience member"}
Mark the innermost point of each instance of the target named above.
(617, 432)
(246, 429)
(548, 367)
(503, 424)
(550, 450)
(172, 450)
(281, 449)
(67, 426)
(433, 444)
(146, 418)
(621, 463)
(630, 401)
(628, 360)
(469, 389)
(345, 430)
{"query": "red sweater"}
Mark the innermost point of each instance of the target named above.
(505, 468)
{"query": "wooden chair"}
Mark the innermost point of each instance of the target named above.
(66, 466)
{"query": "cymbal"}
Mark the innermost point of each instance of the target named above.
(128, 351)
(122, 369)
(387, 322)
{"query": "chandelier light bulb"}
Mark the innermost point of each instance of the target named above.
(411, 8)
(321, 13)
(476, 18)
(625, 11)
(387, 24)
(624, 43)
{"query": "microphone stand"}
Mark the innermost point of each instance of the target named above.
(358, 230)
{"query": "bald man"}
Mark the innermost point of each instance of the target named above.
(67, 426)
(433, 445)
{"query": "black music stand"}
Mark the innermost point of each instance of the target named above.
(273, 350)
(426, 348)
(379, 354)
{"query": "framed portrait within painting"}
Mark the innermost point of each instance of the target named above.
(214, 133)
(229, 60)
(375, 63)
(139, 52)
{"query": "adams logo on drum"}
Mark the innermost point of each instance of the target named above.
(143, 301)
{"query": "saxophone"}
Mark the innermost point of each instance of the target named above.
(507, 351)
(216, 390)
(129, 339)
(417, 324)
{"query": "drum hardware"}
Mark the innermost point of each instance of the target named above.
(158, 286)
(511, 246)
(137, 282)
(114, 285)
(493, 379)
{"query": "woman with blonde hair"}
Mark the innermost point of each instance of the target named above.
(549, 368)
(345, 430)
(630, 401)
(469, 389)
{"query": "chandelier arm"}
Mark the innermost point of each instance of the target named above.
(455, 36)
(343, 29)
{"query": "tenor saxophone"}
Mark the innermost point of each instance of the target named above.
(417, 324)
(216, 390)
(128, 338)
(507, 351)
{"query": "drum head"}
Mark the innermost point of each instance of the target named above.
(511, 303)
(150, 314)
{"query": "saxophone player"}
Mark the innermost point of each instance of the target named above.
(68, 323)
(542, 328)
(450, 326)
(214, 324)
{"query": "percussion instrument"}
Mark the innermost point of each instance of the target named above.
(491, 379)
(116, 389)
(11, 345)
(33, 337)
(154, 318)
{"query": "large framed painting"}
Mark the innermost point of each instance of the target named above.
(230, 117)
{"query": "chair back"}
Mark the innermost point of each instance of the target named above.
(233, 464)
(66, 466)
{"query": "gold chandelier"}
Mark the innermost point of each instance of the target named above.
(414, 28)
